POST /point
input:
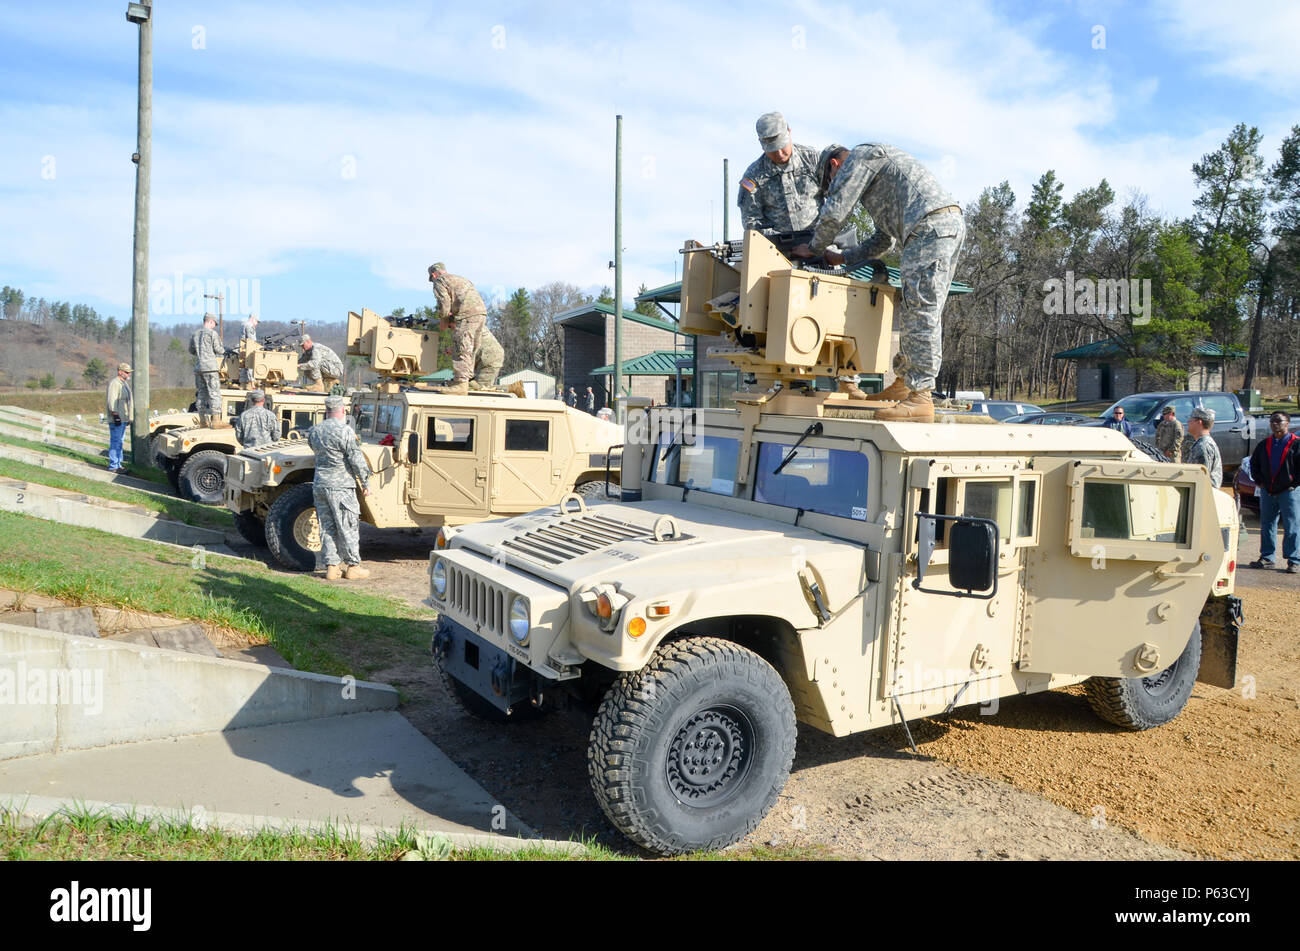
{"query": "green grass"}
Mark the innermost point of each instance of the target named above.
(90, 401)
(89, 458)
(204, 516)
(315, 626)
(61, 434)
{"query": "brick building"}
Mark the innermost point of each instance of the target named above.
(588, 340)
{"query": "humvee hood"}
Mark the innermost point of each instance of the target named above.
(620, 539)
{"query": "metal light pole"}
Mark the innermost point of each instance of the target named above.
(618, 269)
(726, 202)
(141, 14)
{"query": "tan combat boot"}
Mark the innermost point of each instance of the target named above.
(517, 389)
(356, 573)
(454, 388)
(896, 391)
(333, 572)
(917, 408)
(850, 389)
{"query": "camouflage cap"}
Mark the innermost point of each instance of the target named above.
(257, 396)
(333, 404)
(1167, 409)
(773, 131)
(1204, 415)
(437, 266)
(124, 366)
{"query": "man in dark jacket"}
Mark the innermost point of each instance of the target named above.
(1118, 423)
(1275, 467)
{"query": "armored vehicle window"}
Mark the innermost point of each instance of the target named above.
(1135, 511)
(1025, 516)
(388, 419)
(235, 408)
(451, 435)
(989, 499)
(709, 465)
(829, 481)
(303, 419)
(365, 417)
(528, 435)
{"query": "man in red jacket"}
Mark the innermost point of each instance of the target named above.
(1275, 467)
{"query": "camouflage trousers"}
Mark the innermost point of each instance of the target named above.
(207, 397)
(929, 262)
(475, 352)
(318, 376)
(339, 514)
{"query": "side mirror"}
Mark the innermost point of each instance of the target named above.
(972, 555)
(413, 448)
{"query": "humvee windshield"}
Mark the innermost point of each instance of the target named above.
(388, 419)
(363, 415)
(829, 481)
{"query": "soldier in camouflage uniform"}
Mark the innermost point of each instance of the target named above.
(1204, 450)
(476, 353)
(782, 189)
(257, 425)
(910, 208)
(319, 363)
(339, 466)
(1169, 435)
(208, 353)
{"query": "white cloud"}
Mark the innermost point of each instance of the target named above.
(1251, 40)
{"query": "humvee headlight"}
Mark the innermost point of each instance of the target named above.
(519, 623)
(604, 607)
(439, 577)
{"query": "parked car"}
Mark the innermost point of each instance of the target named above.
(1236, 431)
(1001, 409)
(1049, 419)
(1243, 487)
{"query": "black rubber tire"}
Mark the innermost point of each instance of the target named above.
(170, 469)
(646, 740)
(252, 528)
(286, 545)
(1141, 703)
(595, 491)
(156, 458)
(202, 477)
(1149, 449)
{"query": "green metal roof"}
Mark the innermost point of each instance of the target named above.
(584, 310)
(655, 363)
(667, 294)
(442, 376)
(1112, 347)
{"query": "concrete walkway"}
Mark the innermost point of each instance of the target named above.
(362, 772)
(83, 469)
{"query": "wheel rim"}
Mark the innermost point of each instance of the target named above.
(1160, 685)
(208, 480)
(306, 530)
(710, 756)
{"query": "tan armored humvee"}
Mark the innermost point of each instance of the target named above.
(434, 459)
(267, 368)
(794, 560)
(194, 458)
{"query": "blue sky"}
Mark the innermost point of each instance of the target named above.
(330, 151)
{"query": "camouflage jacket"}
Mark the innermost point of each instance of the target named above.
(249, 332)
(1205, 452)
(457, 297)
(1169, 438)
(896, 190)
(325, 359)
(257, 426)
(206, 347)
(783, 197)
(339, 462)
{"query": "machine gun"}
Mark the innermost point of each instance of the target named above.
(285, 340)
(783, 322)
(395, 347)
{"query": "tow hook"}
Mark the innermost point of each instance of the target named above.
(441, 645)
(502, 674)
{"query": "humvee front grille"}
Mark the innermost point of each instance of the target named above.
(479, 601)
(570, 538)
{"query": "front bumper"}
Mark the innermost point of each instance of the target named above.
(485, 668)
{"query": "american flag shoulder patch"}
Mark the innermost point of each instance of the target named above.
(748, 184)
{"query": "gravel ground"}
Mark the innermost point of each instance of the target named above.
(1042, 779)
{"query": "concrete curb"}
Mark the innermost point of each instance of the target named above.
(64, 692)
(74, 508)
(32, 809)
(95, 432)
(86, 471)
(35, 435)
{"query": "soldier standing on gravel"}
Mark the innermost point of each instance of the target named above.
(339, 467)
(475, 352)
(257, 425)
(318, 363)
(1169, 434)
(1204, 451)
(911, 209)
(206, 347)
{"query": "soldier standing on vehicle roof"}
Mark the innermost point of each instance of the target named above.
(208, 353)
(782, 189)
(319, 363)
(340, 465)
(247, 344)
(1204, 450)
(257, 425)
(910, 208)
(475, 352)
